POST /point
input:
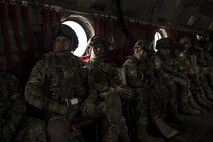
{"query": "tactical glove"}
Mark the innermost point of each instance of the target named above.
(87, 108)
(61, 109)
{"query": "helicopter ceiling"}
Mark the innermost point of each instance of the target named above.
(187, 14)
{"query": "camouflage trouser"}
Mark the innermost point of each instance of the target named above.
(166, 94)
(35, 131)
(205, 82)
(112, 121)
(183, 89)
(207, 73)
(146, 103)
(109, 113)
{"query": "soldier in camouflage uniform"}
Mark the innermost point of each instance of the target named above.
(107, 84)
(194, 71)
(206, 69)
(161, 91)
(136, 74)
(162, 63)
(58, 85)
(12, 106)
(182, 69)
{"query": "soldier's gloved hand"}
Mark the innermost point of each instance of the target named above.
(61, 109)
(87, 108)
(122, 90)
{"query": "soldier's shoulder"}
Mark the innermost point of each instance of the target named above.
(129, 61)
(77, 61)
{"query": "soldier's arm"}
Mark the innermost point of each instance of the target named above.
(113, 77)
(35, 91)
(18, 107)
(132, 76)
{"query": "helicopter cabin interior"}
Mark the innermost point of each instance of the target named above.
(26, 26)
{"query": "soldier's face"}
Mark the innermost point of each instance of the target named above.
(176, 52)
(61, 44)
(186, 44)
(98, 50)
(139, 53)
(164, 51)
(145, 53)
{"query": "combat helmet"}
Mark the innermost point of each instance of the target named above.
(67, 31)
(98, 39)
(165, 43)
(143, 44)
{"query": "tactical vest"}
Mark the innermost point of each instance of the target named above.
(66, 80)
(103, 75)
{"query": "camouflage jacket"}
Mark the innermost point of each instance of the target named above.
(12, 105)
(162, 68)
(56, 81)
(180, 66)
(205, 59)
(104, 75)
(136, 72)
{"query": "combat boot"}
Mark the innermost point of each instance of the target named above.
(172, 112)
(187, 109)
(209, 96)
(123, 136)
(203, 97)
(206, 89)
(111, 135)
(143, 135)
(202, 103)
(165, 129)
(194, 105)
(176, 118)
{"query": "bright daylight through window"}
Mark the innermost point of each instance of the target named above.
(158, 35)
(82, 38)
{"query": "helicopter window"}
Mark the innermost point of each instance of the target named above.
(82, 37)
(161, 33)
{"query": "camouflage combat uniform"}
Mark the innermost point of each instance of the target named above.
(134, 70)
(145, 106)
(206, 69)
(57, 85)
(193, 73)
(104, 80)
(12, 107)
(166, 75)
(183, 69)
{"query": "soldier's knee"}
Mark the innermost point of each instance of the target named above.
(114, 100)
(57, 129)
(57, 122)
(35, 130)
